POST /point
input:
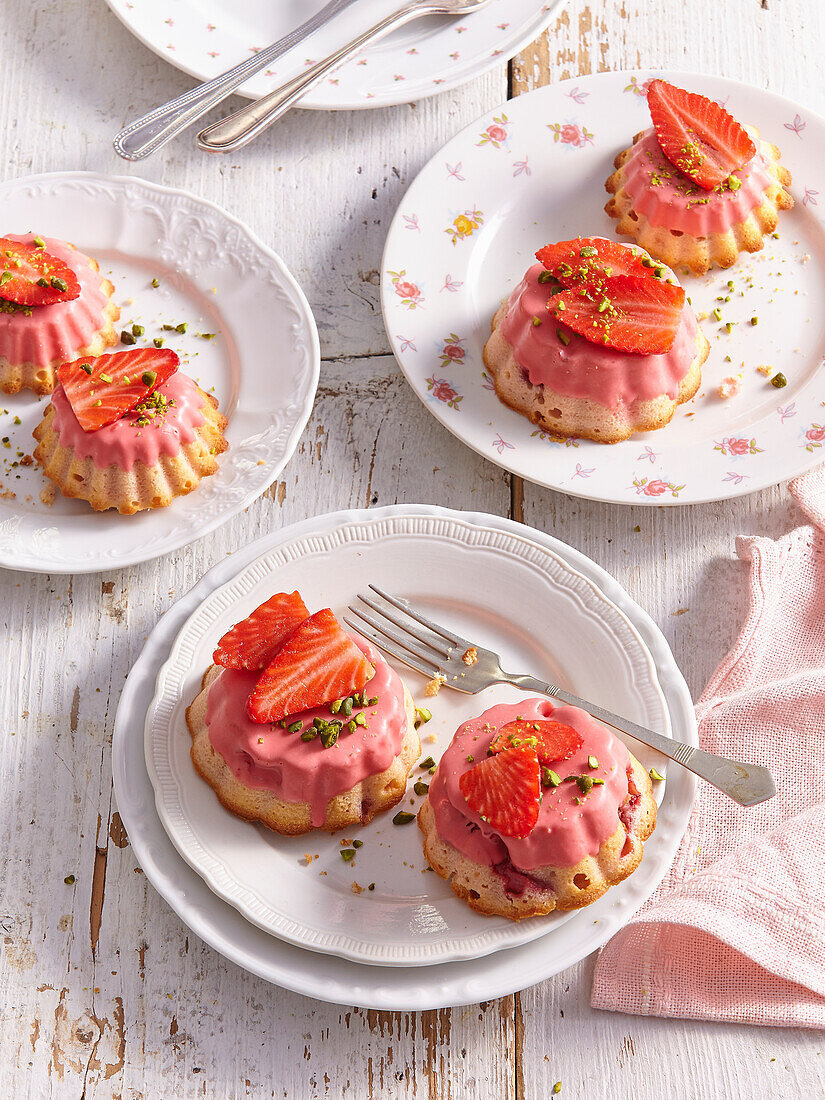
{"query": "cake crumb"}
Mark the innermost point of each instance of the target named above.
(432, 687)
(471, 656)
(730, 387)
(308, 858)
(356, 889)
(47, 495)
(765, 369)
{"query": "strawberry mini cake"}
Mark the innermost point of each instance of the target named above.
(301, 725)
(128, 431)
(596, 341)
(697, 188)
(535, 808)
(54, 305)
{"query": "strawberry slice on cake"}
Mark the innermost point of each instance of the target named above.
(319, 663)
(552, 741)
(102, 390)
(30, 276)
(253, 642)
(697, 135)
(505, 791)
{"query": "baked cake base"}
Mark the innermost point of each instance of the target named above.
(357, 806)
(143, 486)
(578, 416)
(545, 889)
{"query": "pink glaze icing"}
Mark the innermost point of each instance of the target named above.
(565, 833)
(60, 330)
(592, 371)
(666, 197)
(126, 442)
(272, 758)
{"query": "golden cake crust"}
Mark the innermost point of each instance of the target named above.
(484, 890)
(42, 378)
(357, 806)
(143, 486)
(578, 416)
(699, 254)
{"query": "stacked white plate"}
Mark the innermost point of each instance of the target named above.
(310, 924)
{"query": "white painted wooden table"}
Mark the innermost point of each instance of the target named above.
(103, 993)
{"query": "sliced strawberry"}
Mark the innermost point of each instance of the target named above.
(104, 389)
(697, 135)
(629, 314)
(254, 642)
(589, 260)
(317, 664)
(30, 276)
(552, 741)
(505, 790)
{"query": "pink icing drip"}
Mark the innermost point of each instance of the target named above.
(271, 758)
(580, 369)
(126, 442)
(565, 833)
(672, 202)
(60, 330)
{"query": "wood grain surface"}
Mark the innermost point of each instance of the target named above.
(104, 994)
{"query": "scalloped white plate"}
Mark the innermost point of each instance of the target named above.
(219, 278)
(207, 37)
(498, 585)
(533, 171)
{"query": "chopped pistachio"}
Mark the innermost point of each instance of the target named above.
(158, 341)
(549, 778)
(592, 762)
(428, 763)
(347, 854)
(126, 337)
(779, 380)
(421, 788)
(584, 783)
(654, 775)
(295, 727)
(138, 330)
(358, 844)
(403, 818)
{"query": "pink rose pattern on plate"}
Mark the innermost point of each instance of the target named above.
(495, 134)
(571, 133)
(453, 350)
(443, 391)
(736, 447)
(459, 350)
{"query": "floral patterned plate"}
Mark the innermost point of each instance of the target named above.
(533, 171)
(207, 37)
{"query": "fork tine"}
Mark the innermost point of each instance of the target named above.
(402, 605)
(422, 651)
(394, 651)
(413, 630)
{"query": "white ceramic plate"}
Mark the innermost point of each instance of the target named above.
(491, 587)
(533, 171)
(339, 980)
(207, 37)
(219, 278)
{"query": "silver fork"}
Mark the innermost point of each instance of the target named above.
(251, 120)
(402, 631)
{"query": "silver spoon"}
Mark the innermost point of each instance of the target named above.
(147, 134)
(251, 120)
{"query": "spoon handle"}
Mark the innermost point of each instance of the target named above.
(245, 125)
(147, 134)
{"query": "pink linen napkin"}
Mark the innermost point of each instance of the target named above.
(736, 932)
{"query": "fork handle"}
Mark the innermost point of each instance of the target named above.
(238, 129)
(150, 132)
(747, 784)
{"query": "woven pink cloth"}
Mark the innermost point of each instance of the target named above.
(736, 932)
